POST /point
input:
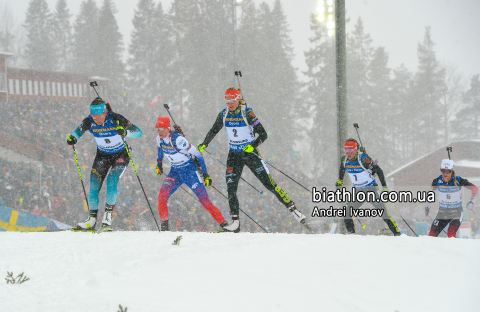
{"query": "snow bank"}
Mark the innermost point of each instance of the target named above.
(238, 272)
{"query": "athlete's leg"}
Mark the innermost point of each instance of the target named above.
(195, 183)
(387, 218)
(437, 226)
(260, 170)
(170, 185)
(232, 177)
(97, 176)
(118, 169)
(349, 224)
(453, 227)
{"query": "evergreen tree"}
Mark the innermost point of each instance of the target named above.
(403, 115)
(86, 45)
(143, 51)
(109, 59)
(379, 110)
(429, 82)
(198, 38)
(450, 99)
(271, 87)
(40, 50)
(359, 55)
(321, 97)
(467, 121)
(62, 34)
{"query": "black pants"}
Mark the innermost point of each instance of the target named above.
(235, 163)
(444, 217)
(392, 225)
(117, 164)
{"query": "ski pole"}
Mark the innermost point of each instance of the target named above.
(168, 110)
(283, 173)
(261, 192)
(141, 185)
(403, 219)
(80, 174)
(239, 208)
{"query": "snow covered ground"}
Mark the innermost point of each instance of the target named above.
(238, 272)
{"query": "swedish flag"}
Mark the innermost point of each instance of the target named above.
(13, 220)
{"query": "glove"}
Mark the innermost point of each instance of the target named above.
(339, 183)
(427, 209)
(178, 130)
(159, 169)
(71, 140)
(248, 149)
(385, 190)
(201, 147)
(470, 205)
(121, 131)
(207, 179)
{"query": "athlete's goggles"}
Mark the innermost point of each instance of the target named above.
(445, 170)
(161, 129)
(350, 150)
(230, 101)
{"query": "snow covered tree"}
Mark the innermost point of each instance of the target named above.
(402, 120)
(320, 102)
(467, 121)
(429, 83)
(62, 34)
(270, 83)
(40, 51)
(109, 59)
(359, 56)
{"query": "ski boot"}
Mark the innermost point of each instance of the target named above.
(89, 224)
(298, 215)
(107, 218)
(164, 226)
(234, 226)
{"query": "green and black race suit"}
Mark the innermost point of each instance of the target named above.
(240, 135)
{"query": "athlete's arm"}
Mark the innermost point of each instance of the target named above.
(434, 184)
(84, 126)
(184, 147)
(217, 126)
(472, 187)
(159, 152)
(132, 130)
(368, 163)
(257, 128)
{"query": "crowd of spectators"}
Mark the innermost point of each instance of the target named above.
(56, 193)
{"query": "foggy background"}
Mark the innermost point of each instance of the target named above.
(412, 71)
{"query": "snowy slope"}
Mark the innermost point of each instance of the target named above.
(238, 272)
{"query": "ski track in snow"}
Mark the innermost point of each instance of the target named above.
(237, 272)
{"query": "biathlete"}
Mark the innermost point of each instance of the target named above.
(109, 130)
(450, 210)
(180, 153)
(362, 170)
(242, 125)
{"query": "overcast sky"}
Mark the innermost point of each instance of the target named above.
(397, 25)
